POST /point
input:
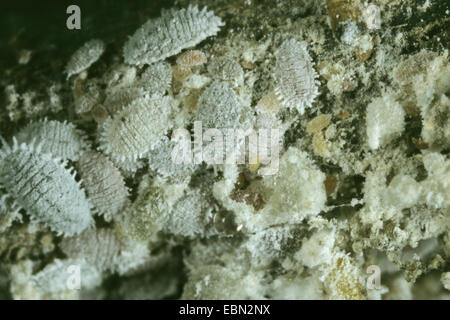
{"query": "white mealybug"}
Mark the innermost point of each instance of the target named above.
(157, 78)
(219, 107)
(226, 69)
(191, 58)
(137, 128)
(42, 186)
(84, 57)
(103, 182)
(117, 99)
(160, 161)
(61, 139)
(91, 97)
(295, 76)
(167, 35)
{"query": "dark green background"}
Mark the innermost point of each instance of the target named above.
(41, 26)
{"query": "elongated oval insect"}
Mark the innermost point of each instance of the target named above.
(167, 35)
(295, 76)
(61, 139)
(121, 97)
(88, 99)
(103, 249)
(84, 57)
(191, 58)
(136, 129)
(103, 182)
(44, 188)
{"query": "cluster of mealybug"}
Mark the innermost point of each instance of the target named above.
(135, 110)
(34, 177)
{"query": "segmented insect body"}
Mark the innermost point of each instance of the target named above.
(136, 129)
(160, 161)
(88, 99)
(219, 107)
(85, 56)
(166, 206)
(128, 167)
(157, 78)
(190, 216)
(121, 97)
(61, 139)
(45, 189)
(167, 35)
(226, 69)
(103, 182)
(103, 249)
(295, 75)
(191, 58)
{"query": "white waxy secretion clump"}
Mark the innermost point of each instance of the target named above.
(295, 76)
(385, 120)
(167, 35)
(403, 192)
(84, 57)
(45, 189)
(445, 279)
(317, 249)
(288, 201)
(103, 182)
(437, 186)
(61, 139)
